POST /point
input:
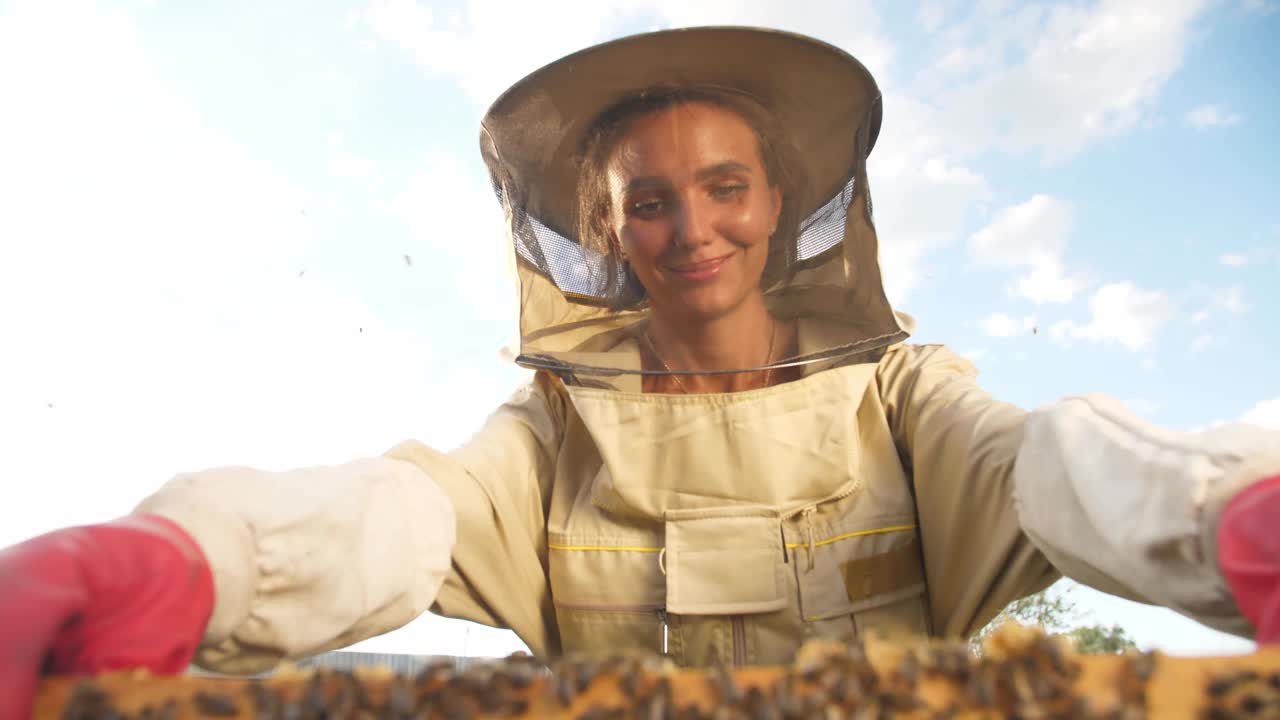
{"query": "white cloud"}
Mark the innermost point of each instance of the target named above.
(1234, 260)
(1047, 283)
(1202, 342)
(909, 169)
(488, 44)
(155, 293)
(1031, 236)
(1001, 325)
(1120, 314)
(1054, 80)
(1231, 300)
(1153, 121)
(855, 25)
(1265, 414)
(900, 268)
(132, 186)
(1211, 116)
(961, 61)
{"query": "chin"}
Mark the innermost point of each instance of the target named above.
(707, 304)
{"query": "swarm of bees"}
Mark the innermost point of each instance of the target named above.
(1021, 674)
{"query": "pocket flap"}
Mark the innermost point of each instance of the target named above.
(724, 566)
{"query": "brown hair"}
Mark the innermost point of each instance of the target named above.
(782, 169)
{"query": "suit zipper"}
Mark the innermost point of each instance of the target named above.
(814, 506)
(739, 626)
(662, 617)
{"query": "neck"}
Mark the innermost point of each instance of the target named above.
(741, 338)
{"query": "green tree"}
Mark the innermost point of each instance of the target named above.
(1054, 611)
(1098, 639)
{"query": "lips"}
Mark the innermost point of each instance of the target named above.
(701, 270)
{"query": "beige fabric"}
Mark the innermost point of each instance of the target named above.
(959, 447)
(310, 560)
(654, 506)
(1145, 500)
(842, 492)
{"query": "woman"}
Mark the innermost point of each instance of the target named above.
(727, 447)
(681, 192)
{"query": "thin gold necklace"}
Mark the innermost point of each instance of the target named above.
(768, 358)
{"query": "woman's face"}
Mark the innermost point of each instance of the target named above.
(692, 209)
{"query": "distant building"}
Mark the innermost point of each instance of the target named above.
(403, 664)
(346, 660)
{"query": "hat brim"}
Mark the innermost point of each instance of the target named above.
(820, 95)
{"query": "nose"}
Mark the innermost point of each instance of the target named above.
(694, 222)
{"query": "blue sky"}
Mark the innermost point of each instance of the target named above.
(261, 234)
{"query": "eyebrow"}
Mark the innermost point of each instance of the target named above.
(729, 166)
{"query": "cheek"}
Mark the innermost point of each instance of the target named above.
(751, 223)
(643, 242)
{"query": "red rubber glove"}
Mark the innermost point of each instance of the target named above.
(1249, 555)
(133, 593)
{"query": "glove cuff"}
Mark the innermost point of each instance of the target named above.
(1249, 555)
(150, 596)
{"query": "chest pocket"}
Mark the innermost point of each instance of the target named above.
(861, 579)
(608, 593)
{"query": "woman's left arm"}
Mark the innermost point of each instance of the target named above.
(1104, 498)
(1108, 497)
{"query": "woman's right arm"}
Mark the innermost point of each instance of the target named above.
(500, 485)
(255, 567)
(248, 566)
(311, 560)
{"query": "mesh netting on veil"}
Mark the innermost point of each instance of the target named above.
(580, 273)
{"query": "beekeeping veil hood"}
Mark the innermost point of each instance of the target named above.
(823, 273)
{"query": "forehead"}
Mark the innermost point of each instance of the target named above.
(684, 138)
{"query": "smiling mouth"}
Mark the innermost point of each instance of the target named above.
(703, 270)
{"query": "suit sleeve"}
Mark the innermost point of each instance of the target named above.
(499, 484)
(959, 447)
(1007, 500)
(314, 559)
(1133, 509)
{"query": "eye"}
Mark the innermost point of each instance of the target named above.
(648, 207)
(725, 191)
